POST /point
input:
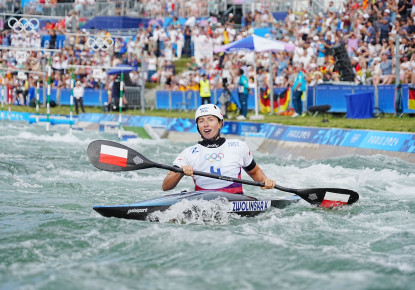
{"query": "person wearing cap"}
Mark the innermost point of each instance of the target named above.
(204, 89)
(384, 25)
(215, 155)
(78, 94)
(231, 19)
(376, 71)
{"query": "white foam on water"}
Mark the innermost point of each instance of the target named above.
(196, 212)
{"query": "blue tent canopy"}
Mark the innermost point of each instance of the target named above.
(122, 68)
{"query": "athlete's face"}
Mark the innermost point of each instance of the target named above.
(209, 126)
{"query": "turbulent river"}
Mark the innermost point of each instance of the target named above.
(50, 238)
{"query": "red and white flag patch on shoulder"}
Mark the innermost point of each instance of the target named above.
(113, 155)
(332, 199)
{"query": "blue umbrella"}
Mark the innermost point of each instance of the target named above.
(255, 43)
(121, 68)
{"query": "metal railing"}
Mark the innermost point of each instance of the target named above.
(134, 97)
(100, 7)
(182, 8)
(10, 6)
(251, 6)
(135, 8)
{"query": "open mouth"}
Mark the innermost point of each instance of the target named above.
(207, 132)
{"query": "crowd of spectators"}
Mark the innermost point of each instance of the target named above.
(144, 8)
(367, 30)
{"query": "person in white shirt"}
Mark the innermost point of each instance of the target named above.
(130, 49)
(151, 65)
(231, 33)
(180, 43)
(35, 40)
(216, 155)
(78, 94)
(168, 51)
(172, 34)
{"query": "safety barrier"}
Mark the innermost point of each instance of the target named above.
(132, 94)
(190, 100)
(323, 94)
(92, 97)
(334, 95)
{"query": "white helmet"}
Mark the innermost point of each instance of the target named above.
(208, 109)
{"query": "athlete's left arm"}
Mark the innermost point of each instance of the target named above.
(258, 175)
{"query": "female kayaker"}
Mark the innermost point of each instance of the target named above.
(216, 155)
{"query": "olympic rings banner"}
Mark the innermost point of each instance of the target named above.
(100, 43)
(23, 24)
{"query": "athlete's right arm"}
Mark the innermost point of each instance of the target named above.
(171, 180)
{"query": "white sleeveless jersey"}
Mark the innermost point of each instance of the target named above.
(226, 160)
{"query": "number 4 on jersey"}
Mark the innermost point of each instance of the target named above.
(212, 170)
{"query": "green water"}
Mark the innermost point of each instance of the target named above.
(50, 238)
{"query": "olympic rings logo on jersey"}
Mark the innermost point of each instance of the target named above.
(214, 157)
(23, 24)
(100, 43)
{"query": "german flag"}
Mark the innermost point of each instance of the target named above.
(411, 98)
(283, 100)
(265, 102)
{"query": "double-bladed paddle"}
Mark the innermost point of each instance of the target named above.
(113, 156)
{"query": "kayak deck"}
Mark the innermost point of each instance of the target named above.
(236, 203)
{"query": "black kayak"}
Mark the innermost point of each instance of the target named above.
(240, 204)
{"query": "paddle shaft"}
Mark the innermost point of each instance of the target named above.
(221, 177)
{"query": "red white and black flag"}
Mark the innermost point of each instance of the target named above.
(332, 199)
(113, 155)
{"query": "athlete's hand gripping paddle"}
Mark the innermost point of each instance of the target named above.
(113, 156)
